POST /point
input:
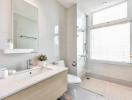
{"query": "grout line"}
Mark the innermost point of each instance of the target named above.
(109, 79)
(92, 91)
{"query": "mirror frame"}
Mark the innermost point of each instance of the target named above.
(11, 38)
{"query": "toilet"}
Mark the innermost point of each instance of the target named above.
(72, 82)
(72, 79)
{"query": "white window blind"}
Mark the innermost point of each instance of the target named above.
(110, 14)
(111, 43)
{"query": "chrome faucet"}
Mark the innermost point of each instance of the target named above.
(29, 64)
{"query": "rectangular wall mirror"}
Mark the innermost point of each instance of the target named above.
(25, 25)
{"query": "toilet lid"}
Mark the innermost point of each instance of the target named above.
(72, 79)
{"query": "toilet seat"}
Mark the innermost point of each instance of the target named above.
(72, 79)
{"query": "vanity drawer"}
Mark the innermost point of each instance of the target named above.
(49, 89)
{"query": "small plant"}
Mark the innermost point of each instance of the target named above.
(42, 58)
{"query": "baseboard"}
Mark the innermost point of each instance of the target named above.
(110, 79)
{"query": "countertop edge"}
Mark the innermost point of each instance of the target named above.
(27, 86)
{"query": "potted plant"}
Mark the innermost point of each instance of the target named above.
(42, 60)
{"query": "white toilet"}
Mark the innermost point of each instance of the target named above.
(72, 79)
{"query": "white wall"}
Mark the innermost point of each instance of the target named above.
(50, 13)
(72, 38)
(5, 22)
(121, 72)
(63, 32)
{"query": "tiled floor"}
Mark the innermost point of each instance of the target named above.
(95, 89)
(110, 91)
(77, 93)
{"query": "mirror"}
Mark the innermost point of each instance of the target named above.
(25, 24)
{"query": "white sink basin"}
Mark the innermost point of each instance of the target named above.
(33, 72)
(36, 71)
(24, 79)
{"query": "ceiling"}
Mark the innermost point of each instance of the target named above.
(89, 5)
(67, 3)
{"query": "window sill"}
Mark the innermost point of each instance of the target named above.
(109, 62)
(115, 22)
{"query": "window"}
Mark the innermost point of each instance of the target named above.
(110, 42)
(80, 43)
(81, 36)
(110, 14)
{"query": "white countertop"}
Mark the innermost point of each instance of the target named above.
(18, 82)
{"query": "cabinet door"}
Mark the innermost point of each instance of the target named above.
(5, 22)
(49, 89)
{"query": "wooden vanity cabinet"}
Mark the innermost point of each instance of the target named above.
(49, 89)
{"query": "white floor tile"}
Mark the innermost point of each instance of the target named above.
(77, 93)
(109, 90)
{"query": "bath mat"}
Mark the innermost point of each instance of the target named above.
(94, 85)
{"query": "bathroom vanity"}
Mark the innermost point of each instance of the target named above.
(35, 84)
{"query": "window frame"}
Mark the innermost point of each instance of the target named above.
(90, 26)
(92, 13)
